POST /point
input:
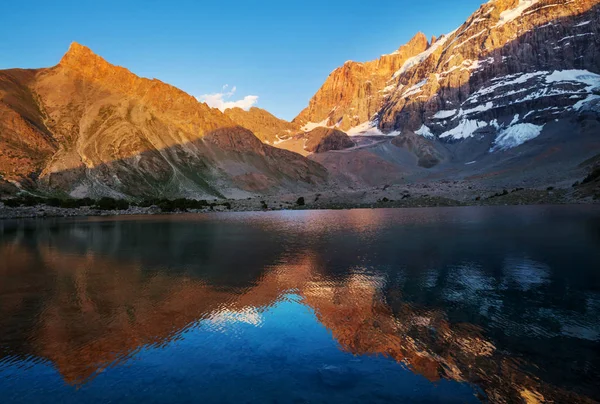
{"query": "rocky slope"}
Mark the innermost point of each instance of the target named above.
(321, 140)
(267, 127)
(89, 128)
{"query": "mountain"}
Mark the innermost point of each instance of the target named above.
(353, 93)
(513, 94)
(89, 128)
(509, 99)
(267, 127)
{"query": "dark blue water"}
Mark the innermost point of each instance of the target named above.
(450, 305)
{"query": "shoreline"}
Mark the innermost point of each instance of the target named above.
(530, 198)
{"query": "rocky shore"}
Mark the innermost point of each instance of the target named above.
(442, 193)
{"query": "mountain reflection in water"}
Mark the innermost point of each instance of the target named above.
(498, 304)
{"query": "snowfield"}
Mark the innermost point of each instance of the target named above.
(465, 129)
(516, 135)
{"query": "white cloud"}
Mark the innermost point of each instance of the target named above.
(223, 100)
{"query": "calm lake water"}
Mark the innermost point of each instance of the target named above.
(450, 305)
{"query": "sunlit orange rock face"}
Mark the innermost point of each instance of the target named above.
(25, 142)
(86, 127)
(354, 92)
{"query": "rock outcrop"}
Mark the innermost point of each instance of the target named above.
(355, 92)
(427, 153)
(89, 128)
(267, 127)
(320, 140)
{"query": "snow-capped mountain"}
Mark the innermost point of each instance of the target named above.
(511, 68)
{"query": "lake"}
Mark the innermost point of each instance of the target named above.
(448, 305)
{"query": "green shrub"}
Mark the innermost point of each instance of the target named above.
(174, 205)
(26, 200)
(594, 175)
(300, 201)
(12, 203)
(107, 203)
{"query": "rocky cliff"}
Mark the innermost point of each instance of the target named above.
(89, 128)
(355, 92)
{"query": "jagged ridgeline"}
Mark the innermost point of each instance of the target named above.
(511, 96)
(511, 63)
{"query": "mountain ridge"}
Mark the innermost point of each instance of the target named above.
(97, 129)
(461, 53)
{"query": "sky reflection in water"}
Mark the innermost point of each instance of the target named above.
(417, 305)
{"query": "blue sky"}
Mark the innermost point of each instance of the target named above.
(278, 51)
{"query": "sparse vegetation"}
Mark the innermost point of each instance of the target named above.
(593, 176)
(499, 194)
(107, 203)
(300, 201)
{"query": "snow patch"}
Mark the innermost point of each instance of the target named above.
(445, 114)
(471, 37)
(480, 108)
(465, 129)
(516, 135)
(312, 125)
(511, 15)
(509, 81)
(416, 89)
(415, 60)
(581, 76)
(369, 128)
(425, 132)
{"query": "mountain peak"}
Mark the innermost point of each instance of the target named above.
(77, 54)
(418, 38)
(419, 41)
